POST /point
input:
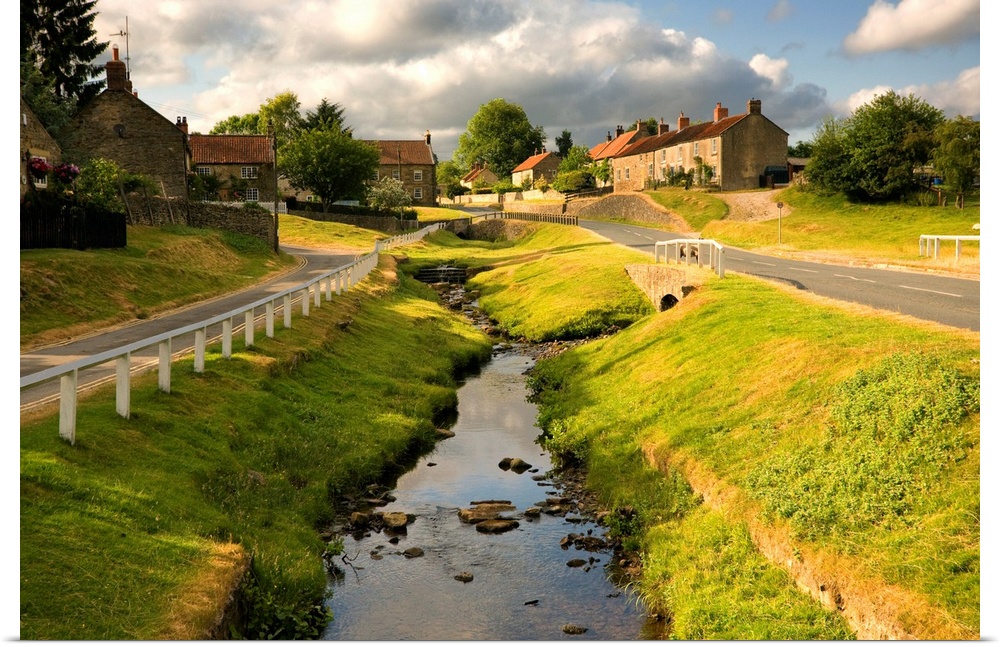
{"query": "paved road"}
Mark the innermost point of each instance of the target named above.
(947, 300)
(314, 263)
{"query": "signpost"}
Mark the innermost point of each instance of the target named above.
(780, 205)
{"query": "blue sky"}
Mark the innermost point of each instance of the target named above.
(400, 67)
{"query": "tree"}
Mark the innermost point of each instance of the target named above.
(388, 194)
(283, 110)
(956, 156)
(873, 154)
(327, 116)
(330, 164)
(603, 171)
(449, 178)
(576, 158)
(801, 149)
(58, 37)
(39, 93)
(564, 143)
(650, 126)
(501, 135)
(235, 125)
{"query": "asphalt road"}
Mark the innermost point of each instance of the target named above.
(942, 299)
(314, 263)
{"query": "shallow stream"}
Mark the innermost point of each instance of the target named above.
(522, 587)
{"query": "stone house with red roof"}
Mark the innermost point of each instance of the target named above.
(412, 162)
(479, 174)
(739, 150)
(541, 165)
(117, 126)
(243, 164)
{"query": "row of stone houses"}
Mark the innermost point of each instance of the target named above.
(118, 126)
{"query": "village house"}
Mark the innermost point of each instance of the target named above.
(612, 146)
(745, 151)
(242, 164)
(538, 166)
(117, 126)
(35, 143)
(479, 175)
(412, 162)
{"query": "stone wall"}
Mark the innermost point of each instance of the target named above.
(659, 281)
(157, 211)
(633, 207)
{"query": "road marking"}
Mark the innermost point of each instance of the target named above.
(763, 263)
(947, 294)
(853, 278)
(802, 269)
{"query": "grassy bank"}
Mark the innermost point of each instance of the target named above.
(136, 531)
(66, 292)
(296, 230)
(697, 208)
(850, 441)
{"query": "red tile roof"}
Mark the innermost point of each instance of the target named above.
(615, 146)
(231, 149)
(403, 151)
(533, 161)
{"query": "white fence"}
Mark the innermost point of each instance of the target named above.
(930, 241)
(558, 219)
(334, 281)
(703, 252)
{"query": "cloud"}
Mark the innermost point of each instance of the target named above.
(781, 10)
(773, 69)
(913, 25)
(722, 16)
(958, 96)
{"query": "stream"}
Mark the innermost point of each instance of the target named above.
(529, 583)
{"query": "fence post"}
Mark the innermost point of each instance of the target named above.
(316, 294)
(227, 338)
(248, 328)
(200, 337)
(329, 288)
(164, 378)
(123, 379)
(67, 407)
(958, 249)
(287, 308)
(305, 301)
(269, 319)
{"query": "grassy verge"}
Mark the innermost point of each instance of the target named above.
(296, 230)
(541, 281)
(696, 207)
(439, 213)
(129, 533)
(67, 292)
(856, 434)
(835, 228)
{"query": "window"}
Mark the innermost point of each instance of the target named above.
(715, 146)
(203, 170)
(619, 174)
(418, 193)
(395, 173)
(252, 195)
(418, 176)
(248, 173)
(43, 181)
(627, 175)
(650, 173)
(696, 149)
(375, 176)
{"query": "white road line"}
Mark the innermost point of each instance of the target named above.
(947, 294)
(802, 269)
(853, 278)
(763, 263)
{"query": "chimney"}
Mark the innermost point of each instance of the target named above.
(619, 131)
(683, 122)
(720, 112)
(116, 72)
(662, 128)
(753, 107)
(609, 135)
(427, 138)
(182, 123)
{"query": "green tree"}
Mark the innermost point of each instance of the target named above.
(58, 37)
(102, 182)
(388, 194)
(449, 178)
(576, 158)
(564, 143)
(956, 156)
(326, 116)
(236, 125)
(283, 110)
(501, 135)
(330, 164)
(827, 166)
(39, 93)
(602, 171)
(650, 126)
(801, 149)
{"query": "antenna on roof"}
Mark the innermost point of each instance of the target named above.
(124, 32)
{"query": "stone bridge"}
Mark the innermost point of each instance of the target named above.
(665, 286)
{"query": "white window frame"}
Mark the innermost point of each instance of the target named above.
(418, 176)
(715, 146)
(375, 176)
(248, 173)
(41, 182)
(696, 149)
(418, 193)
(251, 194)
(395, 173)
(203, 170)
(627, 174)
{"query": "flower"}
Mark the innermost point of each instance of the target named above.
(38, 167)
(66, 172)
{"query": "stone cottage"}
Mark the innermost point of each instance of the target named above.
(538, 166)
(412, 162)
(243, 164)
(35, 142)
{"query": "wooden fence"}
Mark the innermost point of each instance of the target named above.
(71, 227)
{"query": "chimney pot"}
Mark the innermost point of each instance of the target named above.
(720, 112)
(116, 73)
(427, 137)
(683, 122)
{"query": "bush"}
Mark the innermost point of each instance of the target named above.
(572, 181)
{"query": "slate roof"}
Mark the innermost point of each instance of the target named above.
(403, 151)
(231, 149)
(533, 161)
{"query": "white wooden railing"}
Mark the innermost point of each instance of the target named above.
(334, 281)
(701, 251)
(927, 241)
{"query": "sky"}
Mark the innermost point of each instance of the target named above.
(402, 67)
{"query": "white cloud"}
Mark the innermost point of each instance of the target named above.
(913, 25)
(781, 10)
(773, 69)
(959, 96)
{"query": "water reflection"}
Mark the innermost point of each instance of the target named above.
(522, 588)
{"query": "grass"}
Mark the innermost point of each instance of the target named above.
(697, 208)
(67, 292)
(115, 530)
(296, 230)
(760, 408)
(832, 227)
(439, 213)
